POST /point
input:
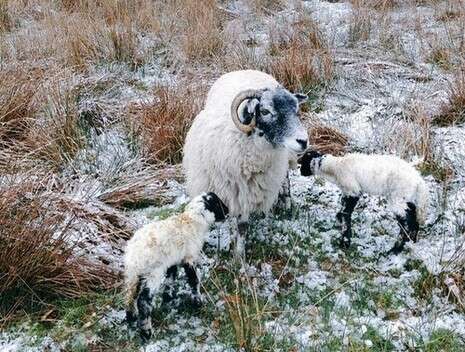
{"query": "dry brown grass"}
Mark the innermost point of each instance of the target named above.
(453, 112)
(300, 58)
(267, 7)
(142, 188)
(5, 19)
(18, 104)
(162, 125)
(57, 135)
(38, 260)
(361, 22)
(83, 33)
(201, 37)
(327, 140)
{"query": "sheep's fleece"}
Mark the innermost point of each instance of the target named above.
(246, 172)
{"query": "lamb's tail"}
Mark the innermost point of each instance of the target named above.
(422, 201)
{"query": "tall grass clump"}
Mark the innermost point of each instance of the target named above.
(58, 134)
(18, 104)
(453, 112)
(300, 58)
(201, 37)
(38, 257)
(162, 124)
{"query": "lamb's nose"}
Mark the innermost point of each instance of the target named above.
(303, 143)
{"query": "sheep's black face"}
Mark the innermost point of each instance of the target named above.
(277, 120)
(215, 205)
(306, 162)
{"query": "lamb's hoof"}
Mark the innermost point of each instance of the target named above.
(398, 247)
(344, 243)
(131, 320)
(167, 297)
(196, 302)
(145, 335)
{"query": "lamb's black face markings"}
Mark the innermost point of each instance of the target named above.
(345, 218)
(408, 228)
(215, 205)
(306, 160)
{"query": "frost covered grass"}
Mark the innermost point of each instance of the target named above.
(95, 100)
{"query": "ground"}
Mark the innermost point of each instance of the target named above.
(298, 291)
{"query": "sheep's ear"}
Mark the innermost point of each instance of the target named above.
(248, 111)
(301, 98)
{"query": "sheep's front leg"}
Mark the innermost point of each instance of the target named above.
(168, 292)
(344, 217)
(408, 228)
(238, 234)
(284, 196)
(194, 283)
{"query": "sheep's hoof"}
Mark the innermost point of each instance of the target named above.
(145, 335)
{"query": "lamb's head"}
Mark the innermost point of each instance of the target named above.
(273, 115)
(210, 206)
(310, 162)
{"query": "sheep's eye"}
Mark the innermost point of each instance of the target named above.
(264, 112)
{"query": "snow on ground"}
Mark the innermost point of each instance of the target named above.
(318, 292)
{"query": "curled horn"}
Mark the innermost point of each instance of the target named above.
(246, 94)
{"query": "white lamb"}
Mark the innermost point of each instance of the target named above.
(240, 144)
(155, 251)
(384, 175)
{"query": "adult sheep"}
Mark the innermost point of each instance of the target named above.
(240, 144)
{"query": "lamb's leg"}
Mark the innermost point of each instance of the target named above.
(133, 289)
(408, 228)
(194, 283)
(168, 292)
(344, 217)
(145, 305)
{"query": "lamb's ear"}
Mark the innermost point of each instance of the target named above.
(247, 113)
(301, 98)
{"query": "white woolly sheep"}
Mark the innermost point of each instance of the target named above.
(155, 251)
(384, 175)
(240, 144)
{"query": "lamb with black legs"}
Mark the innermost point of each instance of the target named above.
(157, 249)
(384, 175)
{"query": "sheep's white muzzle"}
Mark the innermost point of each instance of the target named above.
(298, 142)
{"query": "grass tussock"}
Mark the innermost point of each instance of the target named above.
(18, 104)
(300, 58)
(5, 19)
(327, 140)
(141, 189)
(38, 260)
(58, 134)
(202, 36)
(267, 7)
(162, 124)
(453, 113)
(361, 22)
